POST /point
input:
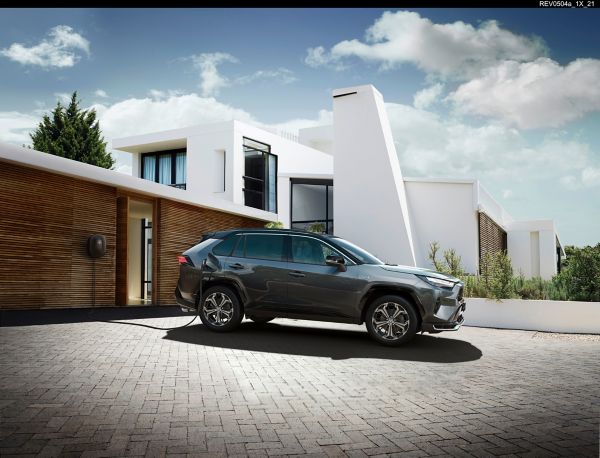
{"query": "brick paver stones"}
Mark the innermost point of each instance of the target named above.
(292, 388)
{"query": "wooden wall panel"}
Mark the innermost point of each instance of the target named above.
(492, 238)
(179, 227)
(122, 264)
(45, 220)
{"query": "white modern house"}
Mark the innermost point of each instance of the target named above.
(347, 177)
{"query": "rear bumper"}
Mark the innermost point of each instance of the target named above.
(186, 306)
(453, 324)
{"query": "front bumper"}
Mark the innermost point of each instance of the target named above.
(452, 324)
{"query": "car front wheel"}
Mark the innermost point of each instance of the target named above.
(391, 320)
(221, 310)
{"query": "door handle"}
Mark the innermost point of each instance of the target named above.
(237, 265)
(295, 273)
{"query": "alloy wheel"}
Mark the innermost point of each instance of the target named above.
(390, 320)
(218, 309)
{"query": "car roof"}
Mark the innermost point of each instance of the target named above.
(223, 234)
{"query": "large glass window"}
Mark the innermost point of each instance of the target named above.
(261, 246)
(312, 205)
(260, 176)
(165, 167)
(307, 250)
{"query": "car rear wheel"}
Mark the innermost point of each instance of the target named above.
(391, 320)
(260, 319)
(221, 310)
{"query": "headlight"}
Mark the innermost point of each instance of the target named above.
(440, 282)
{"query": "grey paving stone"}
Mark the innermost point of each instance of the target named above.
(292, 389)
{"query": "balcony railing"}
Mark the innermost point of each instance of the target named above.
(178, 185)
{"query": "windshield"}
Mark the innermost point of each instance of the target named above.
(362, 255)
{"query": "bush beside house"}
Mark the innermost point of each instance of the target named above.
(579, 279)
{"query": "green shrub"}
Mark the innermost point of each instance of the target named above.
(319, 228)
(451, 264)
(274, 225)
(530, 288)
(580, 277)
(500, 281)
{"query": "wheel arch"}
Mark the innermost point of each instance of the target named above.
(229, 283)
(377, 291)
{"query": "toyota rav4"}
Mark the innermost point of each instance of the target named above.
(269, 273)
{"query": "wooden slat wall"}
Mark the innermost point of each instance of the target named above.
(45, 220)
(122, 274)
(492, 238)
(180, 227)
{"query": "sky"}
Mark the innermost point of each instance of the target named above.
(510, 97)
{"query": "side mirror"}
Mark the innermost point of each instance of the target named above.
(337, 261)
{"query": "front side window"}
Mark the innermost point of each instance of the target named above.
(260, 176)
(306, 250)
(261, 246)
(165, 167)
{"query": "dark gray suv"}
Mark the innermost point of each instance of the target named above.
(268, 273)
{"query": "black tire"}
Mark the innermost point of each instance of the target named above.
(260, 319)
(221, 300)
(404, 325)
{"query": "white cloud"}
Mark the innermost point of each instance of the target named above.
(319, 57)
(324, 117)
(211, 80)
(426, 97)
(283, 75)
(62, 48)
(532, 95)
(158, 94)
(456, 49)
(507, 193)
(590, 176)
(101, 93)
(63, 97)
(15, 127)
(429, 145)
(137, 116)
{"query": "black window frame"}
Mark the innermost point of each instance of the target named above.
(173, 153)
(264, 183)
(328, 183)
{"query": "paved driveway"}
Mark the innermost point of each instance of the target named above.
(106, 388)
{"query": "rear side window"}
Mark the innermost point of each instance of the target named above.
(224, 248)
(265, 246)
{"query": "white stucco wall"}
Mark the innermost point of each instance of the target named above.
(523, 236)
(369, 199)
(549, 316)
(443, 212)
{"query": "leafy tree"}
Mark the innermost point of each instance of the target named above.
(581, 274)
(73, 133)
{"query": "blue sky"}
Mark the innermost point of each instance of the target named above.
(510, 97)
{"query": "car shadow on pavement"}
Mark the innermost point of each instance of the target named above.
(329, 343)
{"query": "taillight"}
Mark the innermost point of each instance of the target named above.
(183, 259)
